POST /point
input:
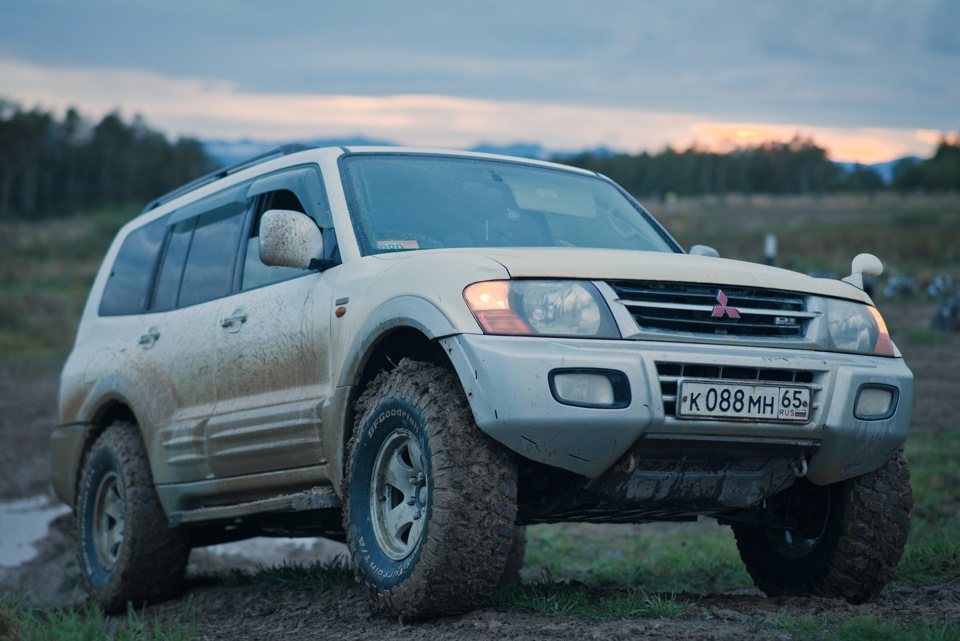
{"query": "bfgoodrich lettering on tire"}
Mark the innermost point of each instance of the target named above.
(126, 550)
(429, 500)
(845, 539)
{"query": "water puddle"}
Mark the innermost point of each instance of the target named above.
(24, 522)
(267, 552)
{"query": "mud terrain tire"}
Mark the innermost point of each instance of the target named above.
(429, 500)
(127, 552)
(849, 550)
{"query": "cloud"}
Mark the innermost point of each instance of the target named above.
(219, 110)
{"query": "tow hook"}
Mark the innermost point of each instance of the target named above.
(800, 467)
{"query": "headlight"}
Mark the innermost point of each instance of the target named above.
(540, 307)
(853, 327)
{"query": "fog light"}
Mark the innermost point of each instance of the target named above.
(875, 402)
(590, 388)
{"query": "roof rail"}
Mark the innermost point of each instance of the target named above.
(282, 150)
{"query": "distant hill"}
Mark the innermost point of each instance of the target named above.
(884, 169)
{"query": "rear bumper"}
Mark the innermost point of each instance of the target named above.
(507, 381)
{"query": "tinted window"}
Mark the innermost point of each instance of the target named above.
(128, 287)
(209, 270)
(404, 202)
(171, 269)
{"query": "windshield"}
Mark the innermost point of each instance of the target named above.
(404, 202)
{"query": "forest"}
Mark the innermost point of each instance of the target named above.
(799, 166)
(52, 165)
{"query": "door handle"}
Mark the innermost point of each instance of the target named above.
(147, 340)
(234, 320)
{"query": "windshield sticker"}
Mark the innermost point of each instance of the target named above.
(397, 245)
(547, 193)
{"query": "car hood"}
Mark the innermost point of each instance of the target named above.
(594, 264)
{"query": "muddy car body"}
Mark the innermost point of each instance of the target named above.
(422, 351)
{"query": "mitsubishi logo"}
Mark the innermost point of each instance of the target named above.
(721, 309)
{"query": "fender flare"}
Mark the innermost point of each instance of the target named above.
(403, 311)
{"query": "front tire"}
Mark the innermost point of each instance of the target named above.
(844, 541)
(429, 500)
(127, 552)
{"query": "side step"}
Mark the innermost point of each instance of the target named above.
(317, 498)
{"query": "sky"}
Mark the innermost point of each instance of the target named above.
(870, 80)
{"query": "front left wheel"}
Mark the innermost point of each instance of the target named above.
(429, 500)
(841, 541)
(127, 551)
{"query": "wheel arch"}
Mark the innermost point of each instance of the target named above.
(70, 443)
(404, 327)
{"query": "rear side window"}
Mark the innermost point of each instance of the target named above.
(171, 270)
(199, 259)
(128, 287)
(209, 270)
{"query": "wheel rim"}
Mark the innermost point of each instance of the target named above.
(398, 502)
(109, 520)
(812, 510)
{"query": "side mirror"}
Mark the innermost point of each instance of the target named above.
(863, 265)
(289, 239)
(703, 250)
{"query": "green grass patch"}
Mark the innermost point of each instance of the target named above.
(932, 555)
(934, 458)
(19, 620)
(46, 269)
(664, 558)
(316, 577)
(913, 235)
(826, 627)
(577, 601)
(925, 336)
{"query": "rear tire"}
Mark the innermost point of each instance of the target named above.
(847, 540)
(429, 500)
(127, 552)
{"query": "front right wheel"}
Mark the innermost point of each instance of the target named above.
(429, 500)
(843, 540)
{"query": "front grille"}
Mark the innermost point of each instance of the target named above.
(670, 373)
(713, 309)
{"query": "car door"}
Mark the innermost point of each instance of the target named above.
(272, 371)
(196, 270)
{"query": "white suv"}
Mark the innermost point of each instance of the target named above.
(422, 351)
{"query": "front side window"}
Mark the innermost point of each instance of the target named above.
(255, 273)
(402, 202)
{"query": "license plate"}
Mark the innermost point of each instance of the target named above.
(743, 401)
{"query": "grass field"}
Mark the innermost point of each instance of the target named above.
(47, 266)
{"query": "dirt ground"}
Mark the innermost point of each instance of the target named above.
(28, 413)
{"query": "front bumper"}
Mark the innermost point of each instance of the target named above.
(507, 382)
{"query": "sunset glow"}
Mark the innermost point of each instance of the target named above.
(193, 107)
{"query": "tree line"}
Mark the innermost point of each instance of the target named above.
(799, 166)
(56, 165)
(941, 172)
